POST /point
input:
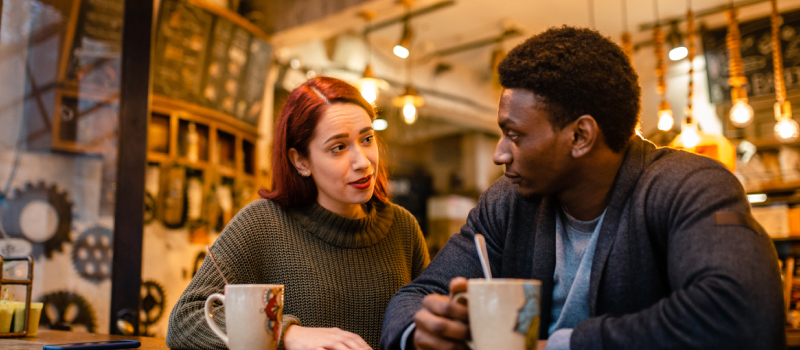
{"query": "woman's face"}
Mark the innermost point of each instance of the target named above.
(342, 158)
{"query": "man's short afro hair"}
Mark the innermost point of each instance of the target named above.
(577, 71)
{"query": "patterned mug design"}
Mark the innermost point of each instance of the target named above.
(273, 307)
(528, 317)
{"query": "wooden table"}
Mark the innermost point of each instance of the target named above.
(47, 337)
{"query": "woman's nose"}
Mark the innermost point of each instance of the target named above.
(361, 161)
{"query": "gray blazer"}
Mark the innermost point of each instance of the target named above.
(680, 263)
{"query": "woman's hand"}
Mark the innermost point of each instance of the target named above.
(307, 338)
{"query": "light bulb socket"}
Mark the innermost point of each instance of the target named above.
(664, 106)
(674, 37)
(408, 34)
(739, 93)
(783, 110)
(409, 96)
(737, 83)
(368, 72)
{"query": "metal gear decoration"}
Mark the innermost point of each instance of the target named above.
(152, 302)
(92, 254)
(12, 217)
(64, 310)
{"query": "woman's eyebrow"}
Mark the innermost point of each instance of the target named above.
(346, 135)
(337, 136)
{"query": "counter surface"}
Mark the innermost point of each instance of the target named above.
(47, 337)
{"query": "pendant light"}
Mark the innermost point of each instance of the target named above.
(786, 129)
(691, 138)
(677, 51)
(665, 120)
(690, 133)
(403, 47)
(741, 114)
(627, 45)
(409, 100)
(368, 84)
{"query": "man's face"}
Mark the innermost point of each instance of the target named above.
(535, 156)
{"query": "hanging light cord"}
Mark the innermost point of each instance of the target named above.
(777, 59)
(733, 41)
(366, 39)
(661, 67)
(691, 48)
(625, 16)
(627, 45)
(655, 11)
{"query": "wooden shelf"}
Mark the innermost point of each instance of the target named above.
(786, 239)
(157, 157)
(774, 187)
(226, 171)
(231, 16)
(193, 112)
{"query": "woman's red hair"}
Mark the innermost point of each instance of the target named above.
(294, 129)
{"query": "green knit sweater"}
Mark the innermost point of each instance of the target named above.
(337, 272)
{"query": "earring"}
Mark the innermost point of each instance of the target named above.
(304, 174)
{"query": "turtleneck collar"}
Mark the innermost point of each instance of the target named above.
(343, 232)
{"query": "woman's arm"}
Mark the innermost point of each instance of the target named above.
(421, 256)
(187, 325)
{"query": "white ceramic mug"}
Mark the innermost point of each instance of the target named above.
(503, 313)
(253, 314)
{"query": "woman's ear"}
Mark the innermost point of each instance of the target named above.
(300, 163)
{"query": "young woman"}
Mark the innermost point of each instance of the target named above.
(326, 231)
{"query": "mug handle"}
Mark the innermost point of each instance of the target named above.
(210, 320)
(457, 298)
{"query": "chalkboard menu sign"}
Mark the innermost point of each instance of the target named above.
(229, 50)
(94, 57)
(249, 106)
(181, 47)
(209, 60)
(756, 56)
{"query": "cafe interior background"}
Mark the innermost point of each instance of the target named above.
(221, 69)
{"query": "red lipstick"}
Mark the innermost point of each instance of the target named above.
(362, 183)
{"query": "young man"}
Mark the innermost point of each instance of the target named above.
(636, 247)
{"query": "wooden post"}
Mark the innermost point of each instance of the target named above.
(129, 205)
(788, 281)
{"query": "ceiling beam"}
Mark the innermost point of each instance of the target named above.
(408, 16)
(711, 11)
(509, 33)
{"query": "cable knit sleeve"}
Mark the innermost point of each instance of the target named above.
(421, 256)
(187, 325)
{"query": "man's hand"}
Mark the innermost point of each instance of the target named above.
(442, 323)
(307, 338)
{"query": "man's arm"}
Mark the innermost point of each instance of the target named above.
(458, 258)
(724, 276)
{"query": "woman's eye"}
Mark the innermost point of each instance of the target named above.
(368, 139)
(337, 149)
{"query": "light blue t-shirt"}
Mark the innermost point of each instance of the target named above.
(575, 244)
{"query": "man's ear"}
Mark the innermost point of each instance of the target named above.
(586, 134)
(300, 163)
